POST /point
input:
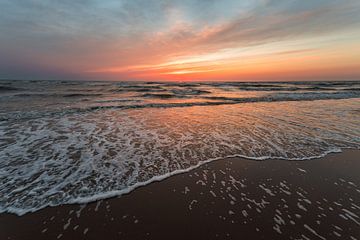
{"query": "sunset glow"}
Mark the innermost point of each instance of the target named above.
(181, 40)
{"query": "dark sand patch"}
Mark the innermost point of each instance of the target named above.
(226, 199)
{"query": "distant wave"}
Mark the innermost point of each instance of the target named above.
(80, 95)
(8, 88)
(161, 95)
(189, 91)
(302, 96)
(52, 95)
(177, 93)
(137, 88)
(118, 100)
(275, 84)
(275, 97)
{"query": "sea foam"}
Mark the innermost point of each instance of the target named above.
(84, 156)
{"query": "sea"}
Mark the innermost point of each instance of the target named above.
(66, 142)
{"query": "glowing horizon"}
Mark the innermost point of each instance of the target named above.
(180, 40)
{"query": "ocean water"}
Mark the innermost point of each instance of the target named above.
(74, 141)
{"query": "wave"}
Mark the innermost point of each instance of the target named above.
(189, 91)
(137, 88)
(161, 95)
(123, 100)
(215, 101)
(165, 90)
(275, 84)
(177, 93)
(54, 95)
(80, 95)
(8, 88)
(288, 88)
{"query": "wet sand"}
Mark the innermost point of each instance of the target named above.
(226, 199)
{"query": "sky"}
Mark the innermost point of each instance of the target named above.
(183, 40)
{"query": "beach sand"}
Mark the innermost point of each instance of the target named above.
(226, 199)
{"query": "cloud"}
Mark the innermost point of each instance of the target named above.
(82, 36)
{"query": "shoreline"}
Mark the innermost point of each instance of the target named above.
(119, 193)
(228, 197)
